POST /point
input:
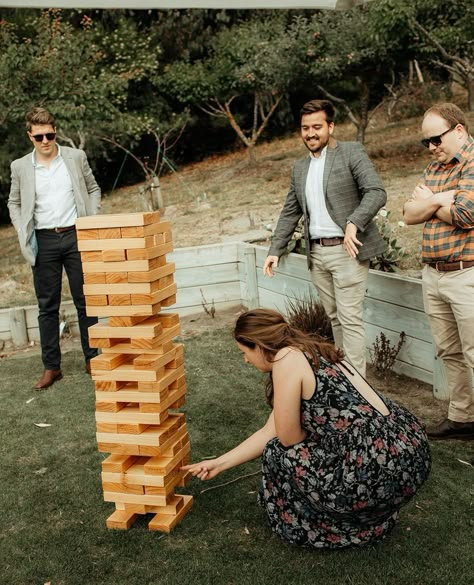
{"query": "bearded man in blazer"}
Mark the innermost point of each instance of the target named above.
(50, 188)
(337, 191)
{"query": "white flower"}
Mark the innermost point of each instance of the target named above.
(401, 224)
(383, 213)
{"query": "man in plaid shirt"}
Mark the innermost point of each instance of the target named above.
(444, 200)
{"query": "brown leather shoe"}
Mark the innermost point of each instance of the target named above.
(88, 368)
(451, 429)
(48, 378)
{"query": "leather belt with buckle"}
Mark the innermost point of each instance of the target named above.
(328, 241)
(451, 266)
(59, 230)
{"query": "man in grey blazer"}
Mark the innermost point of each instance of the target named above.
(50, 188)
(338, 193)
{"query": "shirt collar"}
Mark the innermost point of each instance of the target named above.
(33, 156)
(465, 152)
(322, 156)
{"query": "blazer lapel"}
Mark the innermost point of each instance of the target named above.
(301, 178)
(330, 158)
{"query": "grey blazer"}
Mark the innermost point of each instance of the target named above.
(21, 201)
(353, 191)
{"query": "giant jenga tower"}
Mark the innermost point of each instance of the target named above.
(139, 375)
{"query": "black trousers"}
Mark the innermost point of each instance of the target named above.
(55, 251)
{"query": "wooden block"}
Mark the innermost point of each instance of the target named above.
(165, 522)
(115, 277)
(156, 297)
(167, 401)
(108, 361)
(187, 477)
(148, 253)
(118, 243)
(119, 288)
(123, 321)
(94, 278)
(159, 385)
(169, 301)
(135, 508)
(118, 463)
(126, 266)
(122, 488)
(146, 328)
(109, 233)
(152, 436)
(118, 220)
(106, 428)
(127, 395)
(123, 310)
(164, 465)
(118, 300)
(152, 500)
(109, 386)
(127, 373)
(121, 520)
(96, 300)
(118, 448)
(148, 275)
(113, 256)
(106, 406)
(131, 429)
(174, 505)
(105, 343)
(86, 234)
(146, 230)
(91, 256)
(153, 344)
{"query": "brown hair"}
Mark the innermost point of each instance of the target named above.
(270, 331)
(449, 112)
(39, 117)
(314, 106)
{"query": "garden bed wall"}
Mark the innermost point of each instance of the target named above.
(228, 275)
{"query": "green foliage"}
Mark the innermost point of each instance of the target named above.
(394, 253)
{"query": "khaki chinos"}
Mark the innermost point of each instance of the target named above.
(449, 303)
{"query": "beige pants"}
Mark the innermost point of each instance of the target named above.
(449, 303)
(341, 282)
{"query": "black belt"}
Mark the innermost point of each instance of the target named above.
(328, 241)
(59, 230)
(450, 266)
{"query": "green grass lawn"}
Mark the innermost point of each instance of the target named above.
(53, 514)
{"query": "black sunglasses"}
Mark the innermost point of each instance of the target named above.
(39, 137)
(435, 140)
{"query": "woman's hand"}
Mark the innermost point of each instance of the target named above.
(204, 470)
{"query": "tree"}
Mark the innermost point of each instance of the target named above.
(250, 69)
(445, 35)
(355, 54)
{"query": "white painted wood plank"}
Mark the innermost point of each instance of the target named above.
(204, 255)
(207, 276)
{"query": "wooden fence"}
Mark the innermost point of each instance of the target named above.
(228, 275)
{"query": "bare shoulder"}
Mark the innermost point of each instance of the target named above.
(289, 356)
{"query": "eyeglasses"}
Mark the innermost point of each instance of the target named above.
(40, 137)
(435, 140)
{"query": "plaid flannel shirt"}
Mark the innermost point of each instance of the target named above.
(452, 242)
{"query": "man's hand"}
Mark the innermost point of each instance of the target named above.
(421, 192)
(351, 242)
(446, 198)
(270, 263)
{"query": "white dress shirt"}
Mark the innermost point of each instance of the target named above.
(55, 205)
(320, 223)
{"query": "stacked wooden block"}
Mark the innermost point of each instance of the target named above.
(139, 375)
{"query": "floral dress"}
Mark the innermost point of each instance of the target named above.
(345, 483)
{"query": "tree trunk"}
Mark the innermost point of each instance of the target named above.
(252, 155)
(470, 94)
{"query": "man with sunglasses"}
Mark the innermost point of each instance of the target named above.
(50, 188)
(444, 202)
